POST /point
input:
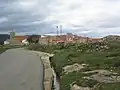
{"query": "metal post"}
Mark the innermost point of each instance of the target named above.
(60, 29)
(57, 30)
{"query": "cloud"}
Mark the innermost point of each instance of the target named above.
(94, 15)
(3, 20)
(23, 15)
(90, 17)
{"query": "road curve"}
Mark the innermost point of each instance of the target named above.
(20, 70)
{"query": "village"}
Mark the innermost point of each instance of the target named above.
(16, 39)
(59, 44)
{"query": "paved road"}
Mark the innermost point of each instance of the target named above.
(20, 70)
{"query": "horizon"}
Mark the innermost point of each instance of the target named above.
(55, 35)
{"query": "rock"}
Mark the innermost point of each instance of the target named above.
(101, 72)
(46, 62)
(48, 74)
(116, 78)
(72, 68)
(84, 65)
(76, 87)
(103, 76)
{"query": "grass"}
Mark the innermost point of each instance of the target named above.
(86, 83)
(114, 86)
(69, 79)
(3, 48)
(76, 78)
(97, 55)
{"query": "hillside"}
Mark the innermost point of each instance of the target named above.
(112, 37)
(3, 37)
(86, 66)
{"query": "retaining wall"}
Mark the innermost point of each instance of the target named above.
(48, 72)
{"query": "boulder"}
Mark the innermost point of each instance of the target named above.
(76, 87)
(72, 68)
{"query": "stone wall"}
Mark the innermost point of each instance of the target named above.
(48, 71)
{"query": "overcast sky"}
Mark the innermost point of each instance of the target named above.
(94, 18)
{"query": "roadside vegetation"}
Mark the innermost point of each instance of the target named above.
(3, 48)
(96, 56)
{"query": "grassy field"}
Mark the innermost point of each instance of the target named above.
(3, 48)
(97, 55)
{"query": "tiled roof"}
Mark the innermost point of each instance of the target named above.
(20, 37)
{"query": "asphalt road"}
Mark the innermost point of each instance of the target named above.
(20, 70)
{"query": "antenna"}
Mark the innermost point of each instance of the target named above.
(57, 30)
(60, 29)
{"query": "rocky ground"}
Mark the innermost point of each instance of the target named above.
(91, 66)
(100, 76)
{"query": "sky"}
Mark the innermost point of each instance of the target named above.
(93, 18)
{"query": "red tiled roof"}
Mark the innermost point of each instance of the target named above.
(96, 39)
(20, 37)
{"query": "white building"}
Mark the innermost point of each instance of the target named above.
(25, 42)
(6, 42)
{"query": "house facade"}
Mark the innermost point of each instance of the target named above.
(68, 38)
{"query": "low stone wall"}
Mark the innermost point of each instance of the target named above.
(48, 71)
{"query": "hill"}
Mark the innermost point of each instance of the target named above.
(91, 66)
(112, 37)
(3, 37)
